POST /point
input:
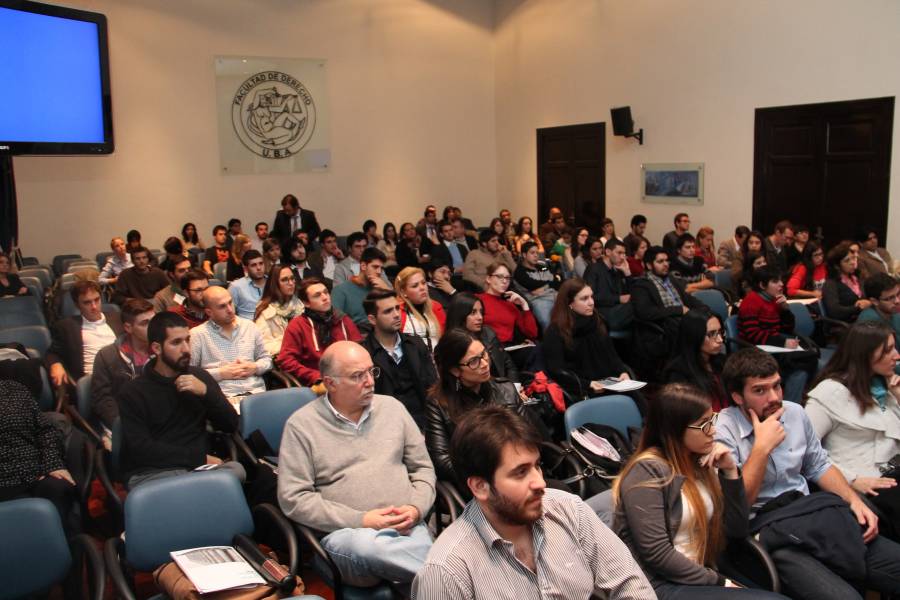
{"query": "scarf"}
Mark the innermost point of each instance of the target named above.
(879, 391)
(667, 292)
(322, 323)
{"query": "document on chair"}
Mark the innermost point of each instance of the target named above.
(614, 384)
(216, 568)
(776, 349)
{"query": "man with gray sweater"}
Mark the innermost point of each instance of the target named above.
(353, 465)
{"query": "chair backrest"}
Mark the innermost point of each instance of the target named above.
(731, 333)
(77, 267)
(269, 411)
(615, 410)
(724, 279)
(803, 323)
(21, 311)
(101, 258)
(38, 555)
(36, 337)
(75, 260)
(220, 269)
(217, 282)
(715, 301)
(187, 511)
(32, 281)
(44, 275)
(58, 262)
(83, 389)
(67, 306)
(46, 401)
(196, 252)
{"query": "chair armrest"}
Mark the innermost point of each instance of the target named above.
(243, 448)
(766, 560)
(310, 538)
(451, 498)
(294, 382)
(114, 568)
(573, 465)
(283, 378)
(82, 424)
(83, 546)
(274, 517)
(107, 483)
(571, 383)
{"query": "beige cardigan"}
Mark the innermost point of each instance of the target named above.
(272, 325)
(855, 442)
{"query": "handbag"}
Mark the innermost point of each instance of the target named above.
(175, 584)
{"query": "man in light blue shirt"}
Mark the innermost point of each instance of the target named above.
(247, 290)
(776, 447)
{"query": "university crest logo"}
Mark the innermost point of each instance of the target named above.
(273, 114)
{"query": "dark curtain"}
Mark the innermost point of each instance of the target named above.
(9, 219)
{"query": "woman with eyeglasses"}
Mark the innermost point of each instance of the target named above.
(576, 343)
(466, 312)
(808, 276)
(277, 307)
(698, 356)
(679, 497)
(853, 408)
(842, 293)
(508, 314)
(464, 382)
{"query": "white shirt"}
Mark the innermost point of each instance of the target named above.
(94, 336)
(328, 266)
(683, 536)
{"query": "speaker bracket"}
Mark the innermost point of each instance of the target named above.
(639, 134)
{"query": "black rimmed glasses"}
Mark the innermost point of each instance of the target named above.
(707, 425)
(715, 333)
(475, 362)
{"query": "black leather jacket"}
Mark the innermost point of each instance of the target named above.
(439, 427)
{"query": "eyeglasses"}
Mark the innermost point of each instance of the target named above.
(360, 377)
(717, 333)
(475, 362)
(707, 425)
(502, 277)
(198, 290)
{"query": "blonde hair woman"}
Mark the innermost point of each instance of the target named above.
(419, 314)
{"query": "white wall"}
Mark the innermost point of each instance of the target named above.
(411, 88)
(693, 71)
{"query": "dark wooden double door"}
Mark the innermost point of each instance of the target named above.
(571, 173)
(824, 165)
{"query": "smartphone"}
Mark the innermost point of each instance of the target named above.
(507, 295)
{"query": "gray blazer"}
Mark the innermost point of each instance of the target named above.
(647, 519)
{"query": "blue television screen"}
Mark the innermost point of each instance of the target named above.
(56, 68)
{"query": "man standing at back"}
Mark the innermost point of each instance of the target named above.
(291, 218)
(517, 539)
(774, 246)
(353, 466)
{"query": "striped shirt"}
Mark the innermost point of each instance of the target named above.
(576, 557)
(210, 349)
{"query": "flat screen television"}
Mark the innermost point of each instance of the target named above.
(54, 65)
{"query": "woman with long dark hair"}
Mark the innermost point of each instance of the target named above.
(388, 244)
(574, 251)
(698, 356)
(842, 294)
(277, 307)
(499, 227)
(525, 233)
(466, 312)
(853, 408)
(190, 238)
(808, 276)
(679, 497)
(464, 382)
(591, 252)
(743, 279)
(576, 341)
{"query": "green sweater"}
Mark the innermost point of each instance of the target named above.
(348, 298)
(330, 474)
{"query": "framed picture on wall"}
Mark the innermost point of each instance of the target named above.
(672, 183)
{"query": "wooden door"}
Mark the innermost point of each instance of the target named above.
(571, 173)
(824, 165)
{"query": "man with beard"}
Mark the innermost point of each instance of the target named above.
(353, 465)
(165, 410)
(515, 538)
(142, 280)
(194, 283)
(776, 447)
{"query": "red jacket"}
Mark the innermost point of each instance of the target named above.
(301, 349)
(439, 314)
(504, 318)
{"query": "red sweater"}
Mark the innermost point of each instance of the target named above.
(301, 349)
(798, 278)
(504, 317)
(761, 322)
